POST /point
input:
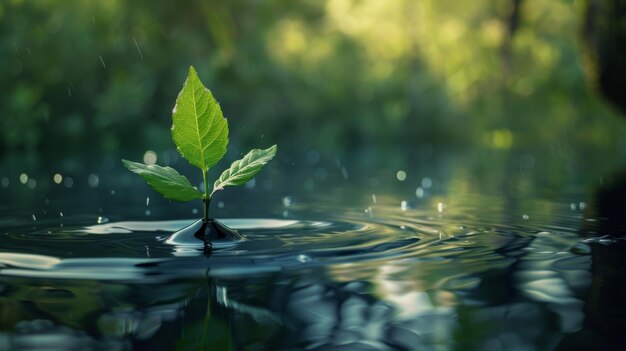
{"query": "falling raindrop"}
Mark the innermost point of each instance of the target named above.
(68, 182)
(582, 205)
(220, 204)
(370, 211)
(344, 173)
(147, 201)
(374, 198)
(440, 207)
(287, 201)
(427, 183)
(32, 183)
(34, 218)
(23, 178)
(93, 180)
(419, 192)
(404, 205)
(194, 211)
(138, 49)
(57, 178)
(401, 175)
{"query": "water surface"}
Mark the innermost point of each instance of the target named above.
(447, 258)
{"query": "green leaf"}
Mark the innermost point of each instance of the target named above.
(245, 169)
(166, 180)
(199, 128)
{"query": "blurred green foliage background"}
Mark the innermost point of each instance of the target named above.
(85, 77)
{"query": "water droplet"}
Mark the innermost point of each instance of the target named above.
(374, 182)
(369, 211)
(304, 258)
(401, 175)
(404, 205)
(138, 49)
(440, 207)
(309, 184)
(34, 218)
(419, 192)
(5, 182)
(23, 178)
(112, 192)
(312, 157)
(572, 206)
(582, 205)
(32, 183)
(321, 173)
(285, 213)
(93, 180)
(374, 198)
(148, 212)
(525, 217)
(427, 183)
(101, 220)
(149, 157)
(194, 211)
(344, 172)
(60, 214)
(68, 182)
(220, 204)
(147, 201)
(287, 201)
(102, 61)
(57, 178)
(251, 183)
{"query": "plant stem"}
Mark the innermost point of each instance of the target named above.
(206, 199)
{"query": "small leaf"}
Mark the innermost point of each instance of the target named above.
(245, 169)
(166, 180)
(199, 128)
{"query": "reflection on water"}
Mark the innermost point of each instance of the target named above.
(442, 267)
(405, 280)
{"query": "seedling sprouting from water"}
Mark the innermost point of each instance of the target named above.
(200, 133)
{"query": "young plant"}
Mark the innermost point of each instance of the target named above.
(200, 133)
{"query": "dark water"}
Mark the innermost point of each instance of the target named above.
(496, 251)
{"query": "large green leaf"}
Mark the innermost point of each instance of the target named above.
(243, 170)
(166, 180)
(199, 128)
